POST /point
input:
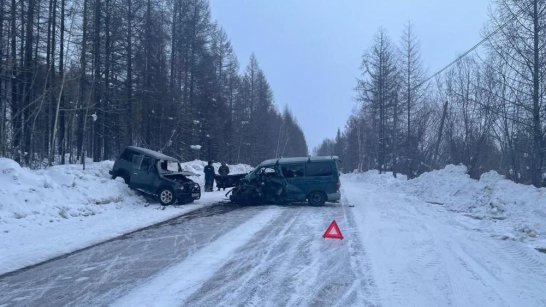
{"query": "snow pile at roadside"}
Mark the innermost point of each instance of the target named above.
(58, 193)
(377, 178)
(47, 212)
(511, 210)
(519, 209)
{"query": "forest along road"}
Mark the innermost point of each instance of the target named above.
(398, 251)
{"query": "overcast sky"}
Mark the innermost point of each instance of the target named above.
(310, 50)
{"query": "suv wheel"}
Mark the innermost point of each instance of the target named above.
(166, 196)
(125, 178)
(316, 198)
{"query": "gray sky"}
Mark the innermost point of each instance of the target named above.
(310, 50)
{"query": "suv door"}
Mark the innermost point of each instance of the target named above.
(143, 174)
(294, 174)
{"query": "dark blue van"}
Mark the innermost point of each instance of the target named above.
(311, 179)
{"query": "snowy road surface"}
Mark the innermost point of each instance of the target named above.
(398, 251)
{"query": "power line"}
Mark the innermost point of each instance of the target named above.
(486, 38)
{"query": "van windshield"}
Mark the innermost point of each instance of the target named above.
(254, 173)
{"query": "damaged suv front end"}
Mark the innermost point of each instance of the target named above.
(157, 175)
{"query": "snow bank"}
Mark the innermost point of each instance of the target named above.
(58, 193)
(198, 166)
(511, 210)
(48, 212)
(375, 177)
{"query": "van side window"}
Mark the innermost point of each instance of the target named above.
(317, 169)
(127, 155)
(294, 170)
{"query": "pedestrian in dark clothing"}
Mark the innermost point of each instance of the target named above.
(223, 171)
(209, 177)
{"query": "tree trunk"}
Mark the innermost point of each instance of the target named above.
(3, 67)
(82, 101)
(107, 84)
(536, 167)
(62, 124)
(394, 136)
(129, 79)
(28, 85)
(97, 139)
(440, 133)
(15, 80)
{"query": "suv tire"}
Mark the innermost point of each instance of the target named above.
(166, 196)
(126, 179)
(316, 198)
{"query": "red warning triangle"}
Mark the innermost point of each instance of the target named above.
(333, 231)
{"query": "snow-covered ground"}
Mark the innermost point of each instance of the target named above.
(49, 212)
(440, 239)
(502, 208)
(435, 240)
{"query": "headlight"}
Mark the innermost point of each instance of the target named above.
(182, 188)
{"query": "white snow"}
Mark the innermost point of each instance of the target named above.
(49, 212)
(505, 209)
(445, 239)
(174, 285)
(440, 239)
(436, 240)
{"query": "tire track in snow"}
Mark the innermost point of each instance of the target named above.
(290, 264)
(456, 270)
(489, 263)
(423, 255)
(258, 267)
(177, 283)
(360, 263)
(139, 258)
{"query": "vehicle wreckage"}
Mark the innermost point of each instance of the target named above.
(290, 180)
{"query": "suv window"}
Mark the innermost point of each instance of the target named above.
(127, 155)
(316, 169)
(293, 170)
(146, 162)
(137, 159)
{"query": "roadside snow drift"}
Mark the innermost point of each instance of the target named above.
(444, 239)
(508, 210)
(48, 212)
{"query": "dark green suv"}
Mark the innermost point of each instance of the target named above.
(289, 180)
(155, 174)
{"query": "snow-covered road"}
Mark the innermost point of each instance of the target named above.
(398, 251)
(425, 255)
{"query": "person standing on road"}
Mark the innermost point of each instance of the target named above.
(209, 177)
(223, 171)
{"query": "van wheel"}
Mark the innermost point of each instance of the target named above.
(166, 196)
(316, 198)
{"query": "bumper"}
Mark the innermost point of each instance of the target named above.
(193, 193)
(188, 196)
(334, 197)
